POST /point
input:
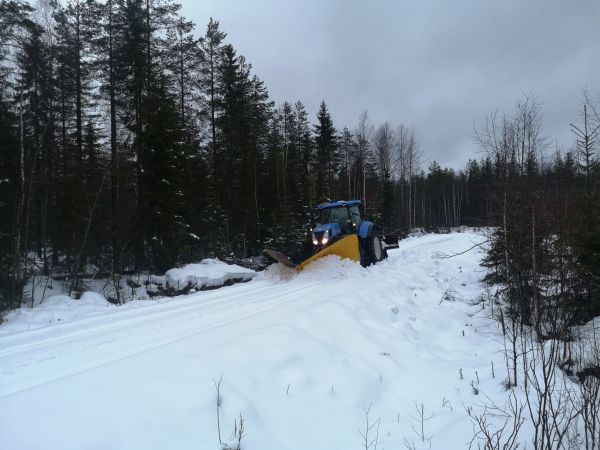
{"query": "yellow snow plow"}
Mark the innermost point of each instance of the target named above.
(345, 247)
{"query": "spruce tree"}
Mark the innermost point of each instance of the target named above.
(9, 168)
(305, 150)
(347, 156)
(212, 47)
(327, 158)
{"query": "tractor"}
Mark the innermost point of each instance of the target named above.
(339, 229)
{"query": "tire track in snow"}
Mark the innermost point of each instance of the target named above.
(67, 349)
(131, 337)
(178, 305)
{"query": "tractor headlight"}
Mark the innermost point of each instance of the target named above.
(325, 237)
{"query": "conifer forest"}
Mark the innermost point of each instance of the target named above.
(132, 139)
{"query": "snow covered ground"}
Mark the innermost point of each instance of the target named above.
(54, 307)
(209, 273)
(302, 356)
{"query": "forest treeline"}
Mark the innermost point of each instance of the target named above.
(545, 250)
(130, 140)
(543, 264)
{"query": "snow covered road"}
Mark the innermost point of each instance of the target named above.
(301, 356)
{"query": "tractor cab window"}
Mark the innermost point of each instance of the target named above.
(333, 215)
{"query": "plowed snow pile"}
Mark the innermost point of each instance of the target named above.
(301, 357)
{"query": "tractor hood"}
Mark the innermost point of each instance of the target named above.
(333, 228)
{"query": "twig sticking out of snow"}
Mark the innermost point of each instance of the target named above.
(421, 419)
(218, 401)
(238, 433)
(467, 250)
(446, 404)
(493, 435)
(367, 442)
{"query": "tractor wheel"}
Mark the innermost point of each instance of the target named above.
(364, 254)
(375, 250)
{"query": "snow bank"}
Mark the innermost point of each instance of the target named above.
(60, 308)
(329, 267)
(55, 310)
(208, 273)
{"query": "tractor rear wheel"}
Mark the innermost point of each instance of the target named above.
(375, 250)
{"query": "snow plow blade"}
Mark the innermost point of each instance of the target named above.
(280, 257)
(346, 247)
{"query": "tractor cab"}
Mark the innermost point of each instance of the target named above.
(335, 219)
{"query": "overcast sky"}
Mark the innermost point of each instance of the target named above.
(439, 66)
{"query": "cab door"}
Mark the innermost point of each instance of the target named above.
(355, 216)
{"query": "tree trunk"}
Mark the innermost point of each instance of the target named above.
(181, 77)
(78, 88)
(534, 283)
(215, 162)
(16, 288)
(114, 184)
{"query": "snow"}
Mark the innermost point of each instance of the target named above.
(53, 306)
(56, 309)
(207, 273)
(301, 355)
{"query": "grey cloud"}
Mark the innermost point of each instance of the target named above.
(438, 65)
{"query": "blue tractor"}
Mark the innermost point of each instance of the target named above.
(339, 229)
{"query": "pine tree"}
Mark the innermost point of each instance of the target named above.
(348, 150)
(8, 193)
(105, 46)
(166, 228)
(212, 48)
(305, 150)
(77, 28)
(244, 113)
(363, 159)
(327, 158)
(25, 111)
(259, 110)
(12, 16)
(184, 56)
